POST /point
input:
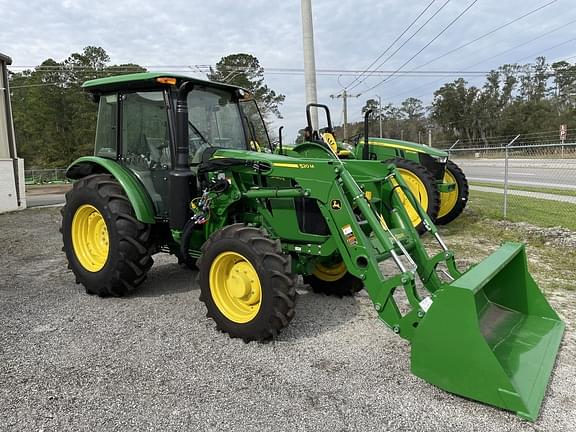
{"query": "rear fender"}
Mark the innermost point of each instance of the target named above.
(139, 198)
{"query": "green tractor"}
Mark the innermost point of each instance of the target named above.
(185, 166)
(420, 166)
(437, 182)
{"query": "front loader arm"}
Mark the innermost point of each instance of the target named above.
(364, 233)
(488, 334)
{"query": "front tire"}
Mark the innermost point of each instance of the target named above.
(108, 249)
(246, 283)
(452, 204)
(421, 184)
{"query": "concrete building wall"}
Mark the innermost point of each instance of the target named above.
(12, 192)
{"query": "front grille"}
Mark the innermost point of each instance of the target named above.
(433, 165)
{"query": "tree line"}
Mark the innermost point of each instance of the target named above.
(514, 99)
(55, 121)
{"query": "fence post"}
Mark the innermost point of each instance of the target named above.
(506, 174)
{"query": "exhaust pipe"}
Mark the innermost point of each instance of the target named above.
(366, 149)
(280, 139)
(182, 180)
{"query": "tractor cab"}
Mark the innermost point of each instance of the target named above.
(138, 126)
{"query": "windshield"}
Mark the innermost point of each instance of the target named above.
(257, 132)
(214, 119)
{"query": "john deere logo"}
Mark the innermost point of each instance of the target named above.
(336, 204)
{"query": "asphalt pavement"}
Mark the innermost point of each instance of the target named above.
(153, 361)
(551, 173)
(46, 195)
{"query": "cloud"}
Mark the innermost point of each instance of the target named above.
(349, 34)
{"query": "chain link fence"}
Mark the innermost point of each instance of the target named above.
(45, 176)
(533, 182)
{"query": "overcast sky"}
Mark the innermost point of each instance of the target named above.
(349, 35)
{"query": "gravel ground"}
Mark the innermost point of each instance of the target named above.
(153, 361)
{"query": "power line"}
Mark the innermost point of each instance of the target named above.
(547, 49)
(524, 44)
(494, 56)
(187, 68)
(394, 42)
(34, 85)
(405, 42)
(425, 46)
(494, 30)
(275, 71)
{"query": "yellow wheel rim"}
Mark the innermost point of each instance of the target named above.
(418, 189)
(330, 273)
(235, 287)
(448, 200)
(90, 238)
(331, 141)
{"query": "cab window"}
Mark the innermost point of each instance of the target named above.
(107, 127)
(214, 119)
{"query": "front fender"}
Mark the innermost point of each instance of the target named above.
(137, 194)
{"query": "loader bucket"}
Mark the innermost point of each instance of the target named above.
(491, 335)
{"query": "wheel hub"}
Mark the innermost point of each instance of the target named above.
(240, 282)
(235, 287)
(90, 238)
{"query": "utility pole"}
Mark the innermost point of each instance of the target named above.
(380, 113)
(309, 60)
(344, 95)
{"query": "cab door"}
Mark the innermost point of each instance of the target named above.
(145, 143)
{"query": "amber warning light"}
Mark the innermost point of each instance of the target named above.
(166, 80)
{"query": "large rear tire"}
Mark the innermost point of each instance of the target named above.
(108, 249)
(246, 283)
(422, 185)
(333, 280)
(452, 204)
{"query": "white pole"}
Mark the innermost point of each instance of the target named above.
(309, 61)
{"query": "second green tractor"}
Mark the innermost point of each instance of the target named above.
(436, 181)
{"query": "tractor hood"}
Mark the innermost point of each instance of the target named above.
(407, 146)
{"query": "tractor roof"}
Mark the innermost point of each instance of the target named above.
(144, 80)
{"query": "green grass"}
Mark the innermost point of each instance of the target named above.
(539, 212)
(479, 231)
(555, 191)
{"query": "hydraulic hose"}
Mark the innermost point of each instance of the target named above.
(185, 240)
